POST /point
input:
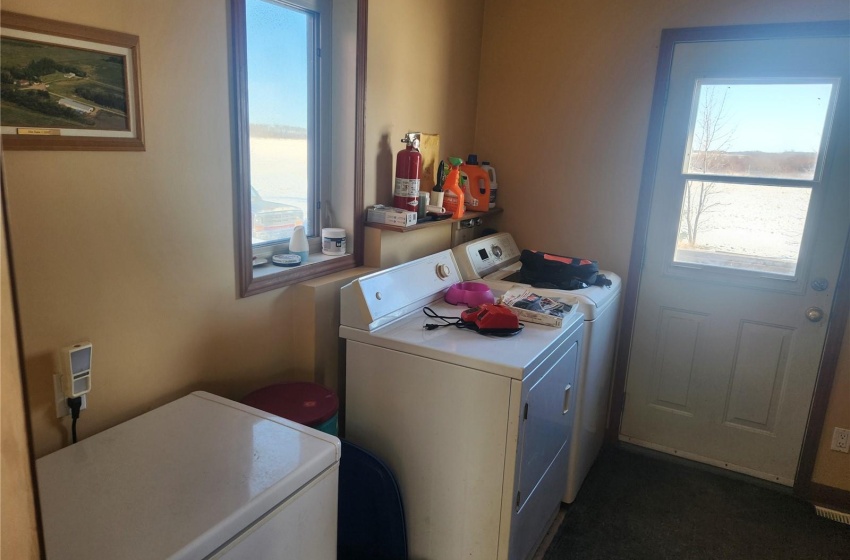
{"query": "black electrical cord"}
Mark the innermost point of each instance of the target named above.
(461, 324)
(457, 322)
(75, 404)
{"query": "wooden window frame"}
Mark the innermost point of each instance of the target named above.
(249, 283)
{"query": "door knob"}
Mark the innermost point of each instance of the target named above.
(814, 314)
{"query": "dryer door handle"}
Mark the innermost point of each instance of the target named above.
(567, 391)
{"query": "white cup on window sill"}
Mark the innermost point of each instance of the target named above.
(298, 243)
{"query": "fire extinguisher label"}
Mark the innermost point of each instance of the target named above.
(406, 187)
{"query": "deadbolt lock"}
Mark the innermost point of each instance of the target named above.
(820, 284)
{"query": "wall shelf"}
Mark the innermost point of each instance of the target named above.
(433, 223)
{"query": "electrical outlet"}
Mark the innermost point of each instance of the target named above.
(841, 440)
(60, 399)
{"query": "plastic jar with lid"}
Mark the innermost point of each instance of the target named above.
(333, 241)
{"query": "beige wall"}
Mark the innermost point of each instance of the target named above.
(18, 537)
(563, 113)
(833, 468)
(423, 61)
(422, 76)
(134, 251)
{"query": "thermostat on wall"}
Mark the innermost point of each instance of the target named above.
(75, 367)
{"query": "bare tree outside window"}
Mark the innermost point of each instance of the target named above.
(766, 130)
(712, 138)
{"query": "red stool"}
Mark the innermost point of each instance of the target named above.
(306, 403)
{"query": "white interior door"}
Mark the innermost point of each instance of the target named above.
(748, 221)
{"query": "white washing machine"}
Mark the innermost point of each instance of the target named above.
(201, 477)
(475, 428)
(495, 258)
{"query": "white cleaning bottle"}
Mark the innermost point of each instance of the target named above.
(298, 243)
(491, 171)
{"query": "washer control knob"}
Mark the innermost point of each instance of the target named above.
(497, 251)
(443, 271)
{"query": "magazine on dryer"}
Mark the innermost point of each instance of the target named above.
(535, 308)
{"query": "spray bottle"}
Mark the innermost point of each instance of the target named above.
(453, 199)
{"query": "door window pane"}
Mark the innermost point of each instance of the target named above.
(744, 227)
(767, 130)
(280, 70)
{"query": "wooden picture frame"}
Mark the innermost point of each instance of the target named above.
(95, 100)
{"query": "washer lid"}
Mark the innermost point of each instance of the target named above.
(592, 300)
(177, 482)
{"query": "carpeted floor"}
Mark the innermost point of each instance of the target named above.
(634, 506)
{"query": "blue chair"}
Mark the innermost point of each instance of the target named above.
(371, 517)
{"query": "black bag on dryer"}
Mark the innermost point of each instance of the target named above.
(544, 270)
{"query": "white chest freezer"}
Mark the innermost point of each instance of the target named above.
(201, 477)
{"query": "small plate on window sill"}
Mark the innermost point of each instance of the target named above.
(257, 261)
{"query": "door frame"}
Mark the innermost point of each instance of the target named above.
(804, 487)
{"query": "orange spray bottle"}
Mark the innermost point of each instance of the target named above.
(453, 198)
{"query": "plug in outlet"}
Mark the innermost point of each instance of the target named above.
(841, 440)
(60, 398)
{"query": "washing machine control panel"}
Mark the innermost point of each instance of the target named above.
(485, 255)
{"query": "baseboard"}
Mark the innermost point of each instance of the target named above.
(723, 465)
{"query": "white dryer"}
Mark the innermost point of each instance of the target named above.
(201, 477)
(475, 428)
(495, 258)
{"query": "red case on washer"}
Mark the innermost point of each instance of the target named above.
(488, 316)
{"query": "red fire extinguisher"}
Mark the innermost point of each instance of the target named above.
(408, 170)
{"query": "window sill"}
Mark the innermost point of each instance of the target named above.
(263, 270)
(267, 277)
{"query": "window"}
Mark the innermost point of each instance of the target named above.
(282, 49)
(298, 106)
(754, 155)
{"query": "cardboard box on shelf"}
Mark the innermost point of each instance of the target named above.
(381, 214)
(429, 146)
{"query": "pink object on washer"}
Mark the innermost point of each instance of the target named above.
(470, 294)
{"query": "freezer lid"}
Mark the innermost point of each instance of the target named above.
(177, 482)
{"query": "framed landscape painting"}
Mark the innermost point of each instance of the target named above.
(68, 87)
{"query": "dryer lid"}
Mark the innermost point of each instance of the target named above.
(592, 301)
